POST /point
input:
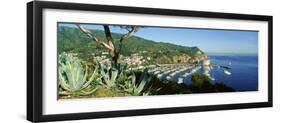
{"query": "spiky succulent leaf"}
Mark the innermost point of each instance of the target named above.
(114, 74)
(73, 77)
(62, 81)
(142, 84)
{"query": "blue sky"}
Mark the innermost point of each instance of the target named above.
(209, 40)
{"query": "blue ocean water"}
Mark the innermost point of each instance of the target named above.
(244, 72)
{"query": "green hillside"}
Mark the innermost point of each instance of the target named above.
(73, 40)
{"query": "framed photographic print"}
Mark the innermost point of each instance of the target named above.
(94, 61)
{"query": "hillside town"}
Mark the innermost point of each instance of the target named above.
(135, 59)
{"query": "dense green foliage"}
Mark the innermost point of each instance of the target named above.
(202, 84)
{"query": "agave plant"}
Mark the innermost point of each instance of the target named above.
(110, 75)
(137, 89)
(73, 78)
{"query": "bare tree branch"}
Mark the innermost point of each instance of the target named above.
(131, 31)
(113, 50)
(94, 38)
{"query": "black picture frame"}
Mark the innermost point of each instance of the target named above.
(35, 69)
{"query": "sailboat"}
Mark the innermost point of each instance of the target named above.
(226, 72)
(226, 69)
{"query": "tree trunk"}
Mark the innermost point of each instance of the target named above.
(115, 56)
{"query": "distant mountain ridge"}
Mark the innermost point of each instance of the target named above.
(73, 40)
